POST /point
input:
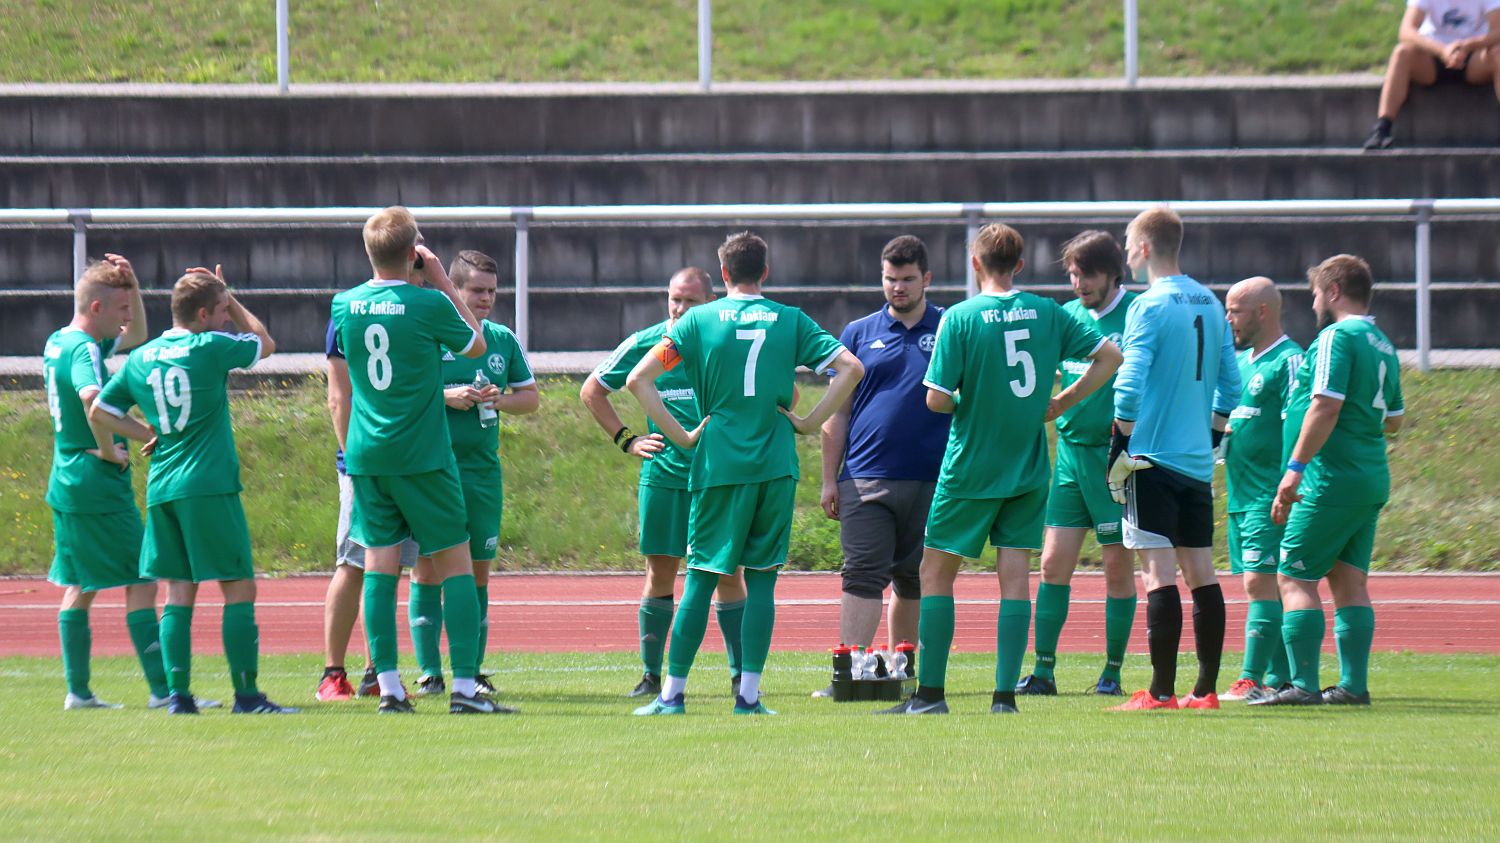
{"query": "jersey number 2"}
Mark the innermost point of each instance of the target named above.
(757, 338)
(173, 390)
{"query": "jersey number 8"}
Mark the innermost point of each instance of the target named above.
(378, 367)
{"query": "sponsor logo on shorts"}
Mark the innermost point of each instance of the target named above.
(1108, 527)
(491, 543)
(448, 357)
(1251, 555)
(927, 343)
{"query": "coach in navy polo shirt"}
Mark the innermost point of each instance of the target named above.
(882, 451)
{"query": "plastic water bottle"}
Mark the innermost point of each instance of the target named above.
(898, 664)
(880, 662)
(907, 652)
(857, 662)
(487, 415)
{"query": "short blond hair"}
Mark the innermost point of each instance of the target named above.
(96, 281)
(389, 237)
(1350, 273)
(1162, 228)
(998, 248)
(193, 292)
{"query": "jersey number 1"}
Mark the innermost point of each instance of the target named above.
(173, 390)
(757, 338)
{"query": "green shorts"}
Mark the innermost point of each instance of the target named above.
(199, 539)
(1318, 535)
(664, 520)
(96, 550)
(388, 509)
(961, 525)
(1080, 492)
(1254, 542)
(749, 525)
(484, 493)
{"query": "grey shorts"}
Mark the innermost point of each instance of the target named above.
(350, 553)
(881, 526)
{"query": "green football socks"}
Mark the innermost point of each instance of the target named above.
(731, 622)
(77, 640)
(177, 647)
(655, 622)
(1303, 632)
(484, 625)
(1051, 614)
(935, 639)
(759, 612)
(380, 619)
(691, 622)
(1119, 619)
(242, 647)
(1354, 631)
(145, 636)
(1010, 642)
(1262, 638)
(461, 617)
(424, 613)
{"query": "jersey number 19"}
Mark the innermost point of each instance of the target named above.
(172, 390)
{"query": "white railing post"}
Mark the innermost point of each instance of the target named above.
(283, 48)
(523, 277)
(1424, 284)
(80, 218)
(971, 232)
(705, 44)
(1132, 44)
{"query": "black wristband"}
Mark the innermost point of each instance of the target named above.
(1119, 442)
(623, 432)
(625, 446)
(1216, 436)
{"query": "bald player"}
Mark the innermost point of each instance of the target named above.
(1253, 456)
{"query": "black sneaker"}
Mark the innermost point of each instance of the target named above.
(916, 705)
(1339, 695)
(649, 686)
(369, 686)
(476, 704)
(1291, 695)
(1005, 703)
(391, 705)
(1036, 686)
(483, 684)
(1380, 138)
(429, 686)
(181, 704)
(258, 704)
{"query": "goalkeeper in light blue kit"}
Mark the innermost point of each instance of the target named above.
(1173, 396)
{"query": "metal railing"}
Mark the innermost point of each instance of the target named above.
(705, 45)
(970, 215)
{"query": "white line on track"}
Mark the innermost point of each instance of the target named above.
(817, 601)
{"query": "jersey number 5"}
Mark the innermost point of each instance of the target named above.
(173, 390)
(757, 338)
(1017, 356)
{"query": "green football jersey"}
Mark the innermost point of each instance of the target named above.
(180, 380)
(1253, 453)
(1089, 421)
(741, 354)
(995, 355)
(504, 364)
(669, 468)
(1351, 360)
(393, 335)
(73, 361)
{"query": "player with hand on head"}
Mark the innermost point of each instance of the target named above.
(1253, 452)
(740, 354)
(475, 431)
(1173, 396)
(195, 524)
(1347, 399)
(664, 500)
(1079, 500)
(95, 522)
(992, 370)
(399, 454)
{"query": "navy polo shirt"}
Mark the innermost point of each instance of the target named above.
(892, 434)
(331, 349)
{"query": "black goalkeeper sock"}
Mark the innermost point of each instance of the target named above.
(1208, 636)
(927, 694)
(1163, 633)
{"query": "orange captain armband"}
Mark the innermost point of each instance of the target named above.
(666, 352)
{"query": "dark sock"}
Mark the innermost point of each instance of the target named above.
(1163, 634)
(1384, 124)
(929, 694)
(1208, 636)
(332, 669)
(1007, 697)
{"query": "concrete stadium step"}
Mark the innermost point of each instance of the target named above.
(584, 318)
(1325, 111)
(317, 181)
(802, 253)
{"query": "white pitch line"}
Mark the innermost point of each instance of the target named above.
(815, 601)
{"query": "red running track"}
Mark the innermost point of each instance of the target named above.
(1427, 613)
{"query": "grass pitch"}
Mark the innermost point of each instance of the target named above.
(575, 765)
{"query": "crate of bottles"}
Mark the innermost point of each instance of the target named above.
(868, 675)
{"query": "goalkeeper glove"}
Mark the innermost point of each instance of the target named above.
(1121, 464)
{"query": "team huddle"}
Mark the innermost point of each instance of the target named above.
(934, 439)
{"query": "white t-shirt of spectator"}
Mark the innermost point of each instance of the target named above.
(1454, 20)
